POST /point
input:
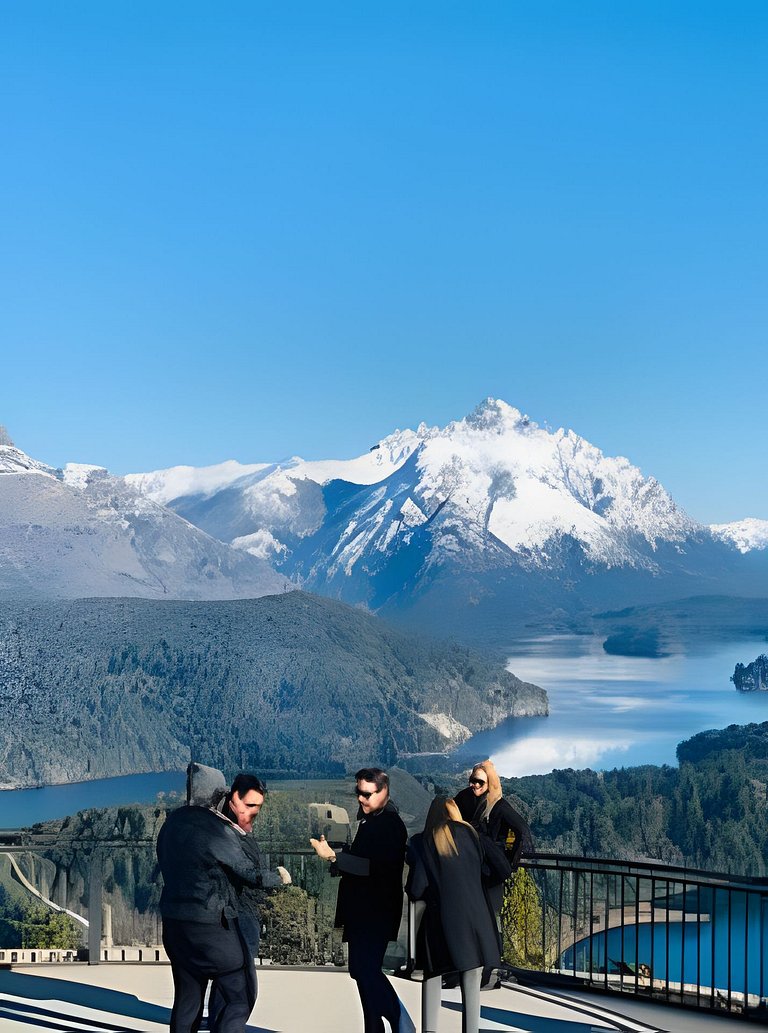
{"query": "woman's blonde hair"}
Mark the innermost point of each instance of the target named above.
(442, 812)
(494, 785)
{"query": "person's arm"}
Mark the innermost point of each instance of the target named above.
(511, 831)
(378, 850)
(269, 879)
(227, 848)
(350, 864)
(417, 882)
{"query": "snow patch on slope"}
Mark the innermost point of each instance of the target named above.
(14, 461)
(379, 462)
(261, 544)
(80, 475)
(163, 486)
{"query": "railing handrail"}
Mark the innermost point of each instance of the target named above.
(612, 865)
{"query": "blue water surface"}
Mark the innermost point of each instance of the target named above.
(22, 807)
(616, 711)
(729, 940)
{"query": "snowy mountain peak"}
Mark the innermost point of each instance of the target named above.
(491, 487)
(5, 437)
(491, 513)
(747, 535)
(14, 461)
(497, 416)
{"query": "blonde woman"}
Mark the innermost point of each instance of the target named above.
(490, 815)
(458, 931)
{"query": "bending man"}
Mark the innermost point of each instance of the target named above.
(201, 857)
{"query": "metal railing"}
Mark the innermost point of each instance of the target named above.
(675, 935)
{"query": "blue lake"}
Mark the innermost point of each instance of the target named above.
(22, 807)
(728, 941)
(605, 711)
(615, 711)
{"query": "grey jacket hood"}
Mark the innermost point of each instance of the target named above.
(205, 786)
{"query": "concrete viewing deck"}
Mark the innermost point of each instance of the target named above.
(137, 998)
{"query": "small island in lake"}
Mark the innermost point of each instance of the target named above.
(752, 677)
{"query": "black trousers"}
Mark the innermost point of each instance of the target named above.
(377, 996)
(250, 933)
(200, 952)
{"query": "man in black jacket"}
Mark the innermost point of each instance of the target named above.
(201, 858)
(242, 805)
(370, 900)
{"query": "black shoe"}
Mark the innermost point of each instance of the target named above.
(491, 980)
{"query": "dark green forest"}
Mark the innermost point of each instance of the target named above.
(710, 812)
(289, 684)
(26, 924)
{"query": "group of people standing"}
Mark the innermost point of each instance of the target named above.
(457, 869)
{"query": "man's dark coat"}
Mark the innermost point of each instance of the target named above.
(201, 857)
(371, 890)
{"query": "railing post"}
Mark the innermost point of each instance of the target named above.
(95, 886)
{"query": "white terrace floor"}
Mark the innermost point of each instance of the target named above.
(135, 998)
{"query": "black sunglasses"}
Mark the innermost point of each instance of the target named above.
(365, 796)
(477, 782)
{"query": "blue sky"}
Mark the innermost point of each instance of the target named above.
(249, 230)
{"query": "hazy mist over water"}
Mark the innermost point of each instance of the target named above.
(618, 711)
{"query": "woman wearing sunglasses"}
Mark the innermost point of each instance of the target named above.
(457, 932)
(495, 819)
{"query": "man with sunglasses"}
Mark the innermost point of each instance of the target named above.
(370, 900)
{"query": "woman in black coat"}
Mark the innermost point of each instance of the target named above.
(458, 931)
(503, 831)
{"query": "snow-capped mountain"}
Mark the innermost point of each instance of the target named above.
(747, 535)
(81, 532)
(244, 504)
(491, 513)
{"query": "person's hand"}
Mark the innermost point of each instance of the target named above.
(285, 875)
(322, 849)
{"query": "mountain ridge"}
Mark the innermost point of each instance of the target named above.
(81, 532)
(290, 682)
(490, 515)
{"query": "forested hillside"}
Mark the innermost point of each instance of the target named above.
(288, 683)
(710, 812)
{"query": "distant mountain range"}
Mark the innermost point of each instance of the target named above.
(80, 532)
(480, 529)
(477, 528)
(747, 535)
